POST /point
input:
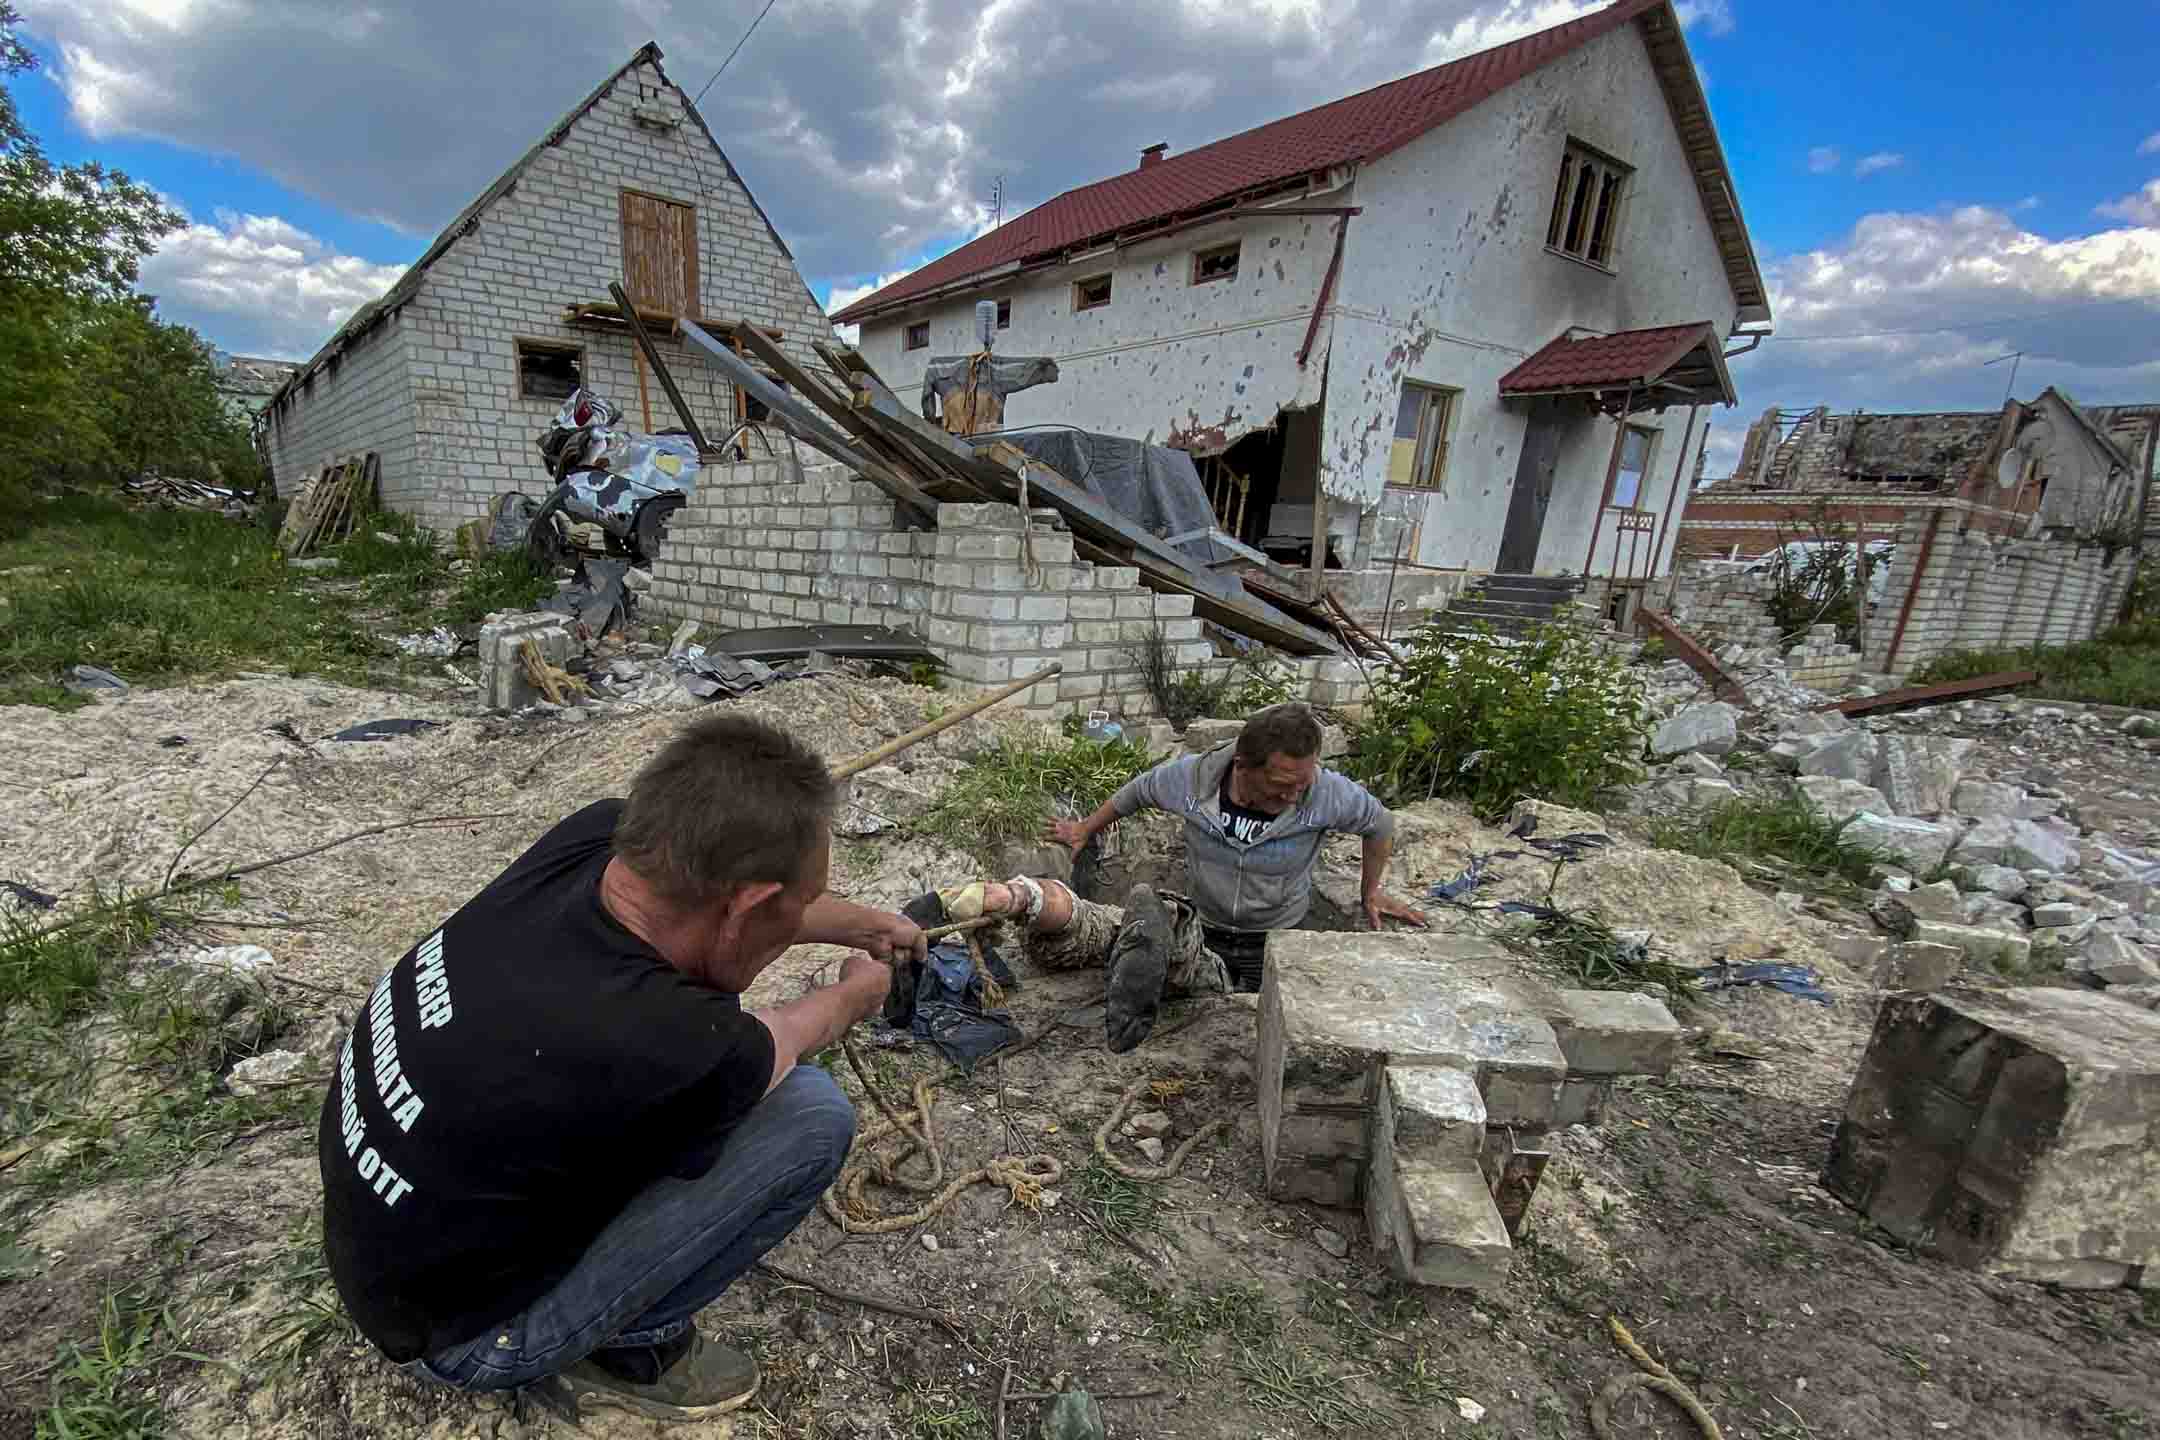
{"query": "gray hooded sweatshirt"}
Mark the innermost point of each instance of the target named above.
(1266, 885)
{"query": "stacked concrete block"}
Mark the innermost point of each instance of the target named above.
(1821, 661)
(2014, 1132)
(1385, 1060)
(502, 672)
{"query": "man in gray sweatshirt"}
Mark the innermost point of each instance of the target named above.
(1255, 812)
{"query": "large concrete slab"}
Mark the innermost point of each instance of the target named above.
(2016, 1132)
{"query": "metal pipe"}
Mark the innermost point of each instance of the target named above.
(1912, 589)
(1687, 438)
(1612, 471)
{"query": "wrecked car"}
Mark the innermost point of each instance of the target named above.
(626, 483)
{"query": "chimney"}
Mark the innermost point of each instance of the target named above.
(1153, 154)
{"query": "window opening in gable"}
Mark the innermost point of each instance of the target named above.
(1218, 262)
(918, 335)
(1092, 293)
(1004, 320)
(547, 370)
(1587, 198)
(1424, 418)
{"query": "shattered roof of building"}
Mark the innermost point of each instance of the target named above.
(1356, 129)
(1625, 358)
(1942, 443)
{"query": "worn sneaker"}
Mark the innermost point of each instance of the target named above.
(1139, 961)
(704, 1379)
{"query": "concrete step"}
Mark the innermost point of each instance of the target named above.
(1442, 1227)
(1451, 622)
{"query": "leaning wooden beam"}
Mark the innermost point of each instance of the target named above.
(660, 370)
(804, 424)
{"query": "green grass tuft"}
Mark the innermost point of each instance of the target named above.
(2119, 667)
(1010, 791)
(1782, 828)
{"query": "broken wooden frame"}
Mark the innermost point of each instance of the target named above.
(866, 427)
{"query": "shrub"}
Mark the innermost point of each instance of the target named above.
(1252, 683)
(1553, 715)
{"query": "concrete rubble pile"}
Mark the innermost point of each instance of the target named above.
(2002, 867)
(1412, 1075)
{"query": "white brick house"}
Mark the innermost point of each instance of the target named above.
(451, 375)
(1378, 307)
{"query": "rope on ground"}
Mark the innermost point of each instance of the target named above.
(1024, 1177)
(1163, 1171)
(1650, 1376)
(557, 684)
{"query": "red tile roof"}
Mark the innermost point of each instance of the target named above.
(1608, 362)
(1353, 130)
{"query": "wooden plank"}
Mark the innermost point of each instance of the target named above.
(803, 423)
(1912, 697)
(659, 366)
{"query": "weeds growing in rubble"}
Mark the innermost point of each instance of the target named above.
(1010, 791)
(1585, 950)
(1783, 829)
(1185, 695)
(1554, 714)
(2121, 666)
(104, 1390)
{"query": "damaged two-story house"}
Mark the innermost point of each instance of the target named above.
(1472, 318)
(452, 374)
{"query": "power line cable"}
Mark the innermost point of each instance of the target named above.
(736, 51)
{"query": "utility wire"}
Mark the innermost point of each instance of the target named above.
(736, 51)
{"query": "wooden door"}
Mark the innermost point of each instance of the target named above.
(659, 244)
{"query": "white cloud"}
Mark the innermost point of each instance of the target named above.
(2141, 207)
(843, 296)
(1823, 159)
(258, 284)
(1177, 90)
(1715, 16)
(2151, 145)
(1881, 160)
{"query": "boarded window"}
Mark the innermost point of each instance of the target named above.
(1091, 293)
(1219, 263)
(1423, 419)
(1635, 448)
(548, 369)
(918, 335)
(659, 245)
(1587, 197)
(1004, 315)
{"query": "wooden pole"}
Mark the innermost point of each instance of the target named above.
(944, 722)
(1319, 538)
(1612, 471)
(644, 395)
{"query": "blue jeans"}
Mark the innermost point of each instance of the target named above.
(676, 1246)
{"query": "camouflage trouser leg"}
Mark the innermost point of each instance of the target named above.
(1194, 969)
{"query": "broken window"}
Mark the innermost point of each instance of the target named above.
(1586, 205)
(918, 335)
(1218, 263)
(659, 246)
(548, 369)
(1423, 419)
(1635, 447)
(1091, 293)
(1004, 315)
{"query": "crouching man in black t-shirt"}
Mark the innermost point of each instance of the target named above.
(556, 1135)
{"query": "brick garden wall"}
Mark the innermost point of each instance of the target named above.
(762, 544)
(1982, 591)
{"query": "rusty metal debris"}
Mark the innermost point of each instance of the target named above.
(1912, 697)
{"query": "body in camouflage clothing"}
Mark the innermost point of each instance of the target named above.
(1194, 969)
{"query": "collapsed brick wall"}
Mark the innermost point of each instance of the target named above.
(764, 544)
(1981, 591)
(1723, 607)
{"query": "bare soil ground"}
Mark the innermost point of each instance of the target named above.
(1692, 1213)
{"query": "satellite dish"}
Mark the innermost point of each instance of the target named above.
(2009, 468)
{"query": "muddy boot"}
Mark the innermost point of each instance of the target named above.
(1139, 962)
(686, 1379)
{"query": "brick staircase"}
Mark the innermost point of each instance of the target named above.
(1509, 604)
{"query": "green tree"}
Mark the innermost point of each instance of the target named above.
(71, 239)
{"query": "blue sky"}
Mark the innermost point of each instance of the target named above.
(1923, 167)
